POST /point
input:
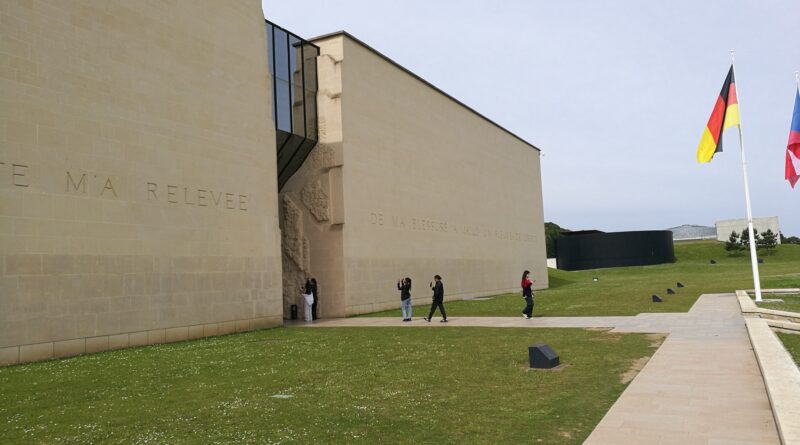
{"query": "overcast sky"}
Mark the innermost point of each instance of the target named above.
(615, 93)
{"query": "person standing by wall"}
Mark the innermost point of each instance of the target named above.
(438, 299)
(404, 286)
(527, 294)
(315, 293)
(308, 301)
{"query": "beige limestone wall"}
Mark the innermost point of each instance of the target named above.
(429, 187)
(138, 199)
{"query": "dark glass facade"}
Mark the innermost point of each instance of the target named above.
(293, 66)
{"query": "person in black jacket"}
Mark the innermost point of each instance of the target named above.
(438, 299)
(316, 298)
(404, 286)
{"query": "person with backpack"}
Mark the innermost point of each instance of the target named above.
(438, 299)
(404, 286)
(527, 294)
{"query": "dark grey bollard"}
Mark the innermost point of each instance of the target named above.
(542, 356)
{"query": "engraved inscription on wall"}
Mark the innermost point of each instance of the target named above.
(15, 174)
(75, 182)
(90, 184)
(194, 196)
(421, 224)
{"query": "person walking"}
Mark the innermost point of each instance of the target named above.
(527, 294)
(404, 286)
(438, 299)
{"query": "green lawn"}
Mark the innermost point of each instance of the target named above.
(376, 385)
(791, 302)
(792, 344)
(366, 385)
(627, 290)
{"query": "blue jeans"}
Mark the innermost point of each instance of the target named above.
(405, 306)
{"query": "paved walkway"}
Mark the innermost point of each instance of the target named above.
(702, 386)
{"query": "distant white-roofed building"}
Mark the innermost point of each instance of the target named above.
(726, 226)
(688, 232)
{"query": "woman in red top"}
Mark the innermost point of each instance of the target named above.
(527, 294)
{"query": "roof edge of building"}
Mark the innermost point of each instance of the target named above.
(755, 217)
(416, 76)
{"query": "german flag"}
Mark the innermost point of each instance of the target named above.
(724, 116)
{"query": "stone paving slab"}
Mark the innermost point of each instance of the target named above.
(783, 326)
(702, 386)
(749, 307)
(781, 376)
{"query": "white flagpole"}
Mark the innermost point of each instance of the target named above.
(753, 256)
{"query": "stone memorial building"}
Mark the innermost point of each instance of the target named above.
(174, 170)
(724, 227)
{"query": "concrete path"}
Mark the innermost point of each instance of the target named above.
(702, 386)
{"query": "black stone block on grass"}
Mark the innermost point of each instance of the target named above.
(542, 356)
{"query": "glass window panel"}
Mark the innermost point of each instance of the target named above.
(281, 55)
(270, 50)
(281, 137)
(298, 110)
(275, 108)
(301, 149)
(295, 61)
(283, 105)
(292, 63)
(271, 63)
(285, 150)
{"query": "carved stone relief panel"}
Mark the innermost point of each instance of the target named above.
(293, 239)
(316, 200)
(324, 157)
(295, 249)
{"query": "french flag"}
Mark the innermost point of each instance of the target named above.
(793, 147)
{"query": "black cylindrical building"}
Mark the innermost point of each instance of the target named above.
(616, 249)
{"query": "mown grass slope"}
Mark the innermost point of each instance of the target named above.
(628, 290)
(342, 386)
